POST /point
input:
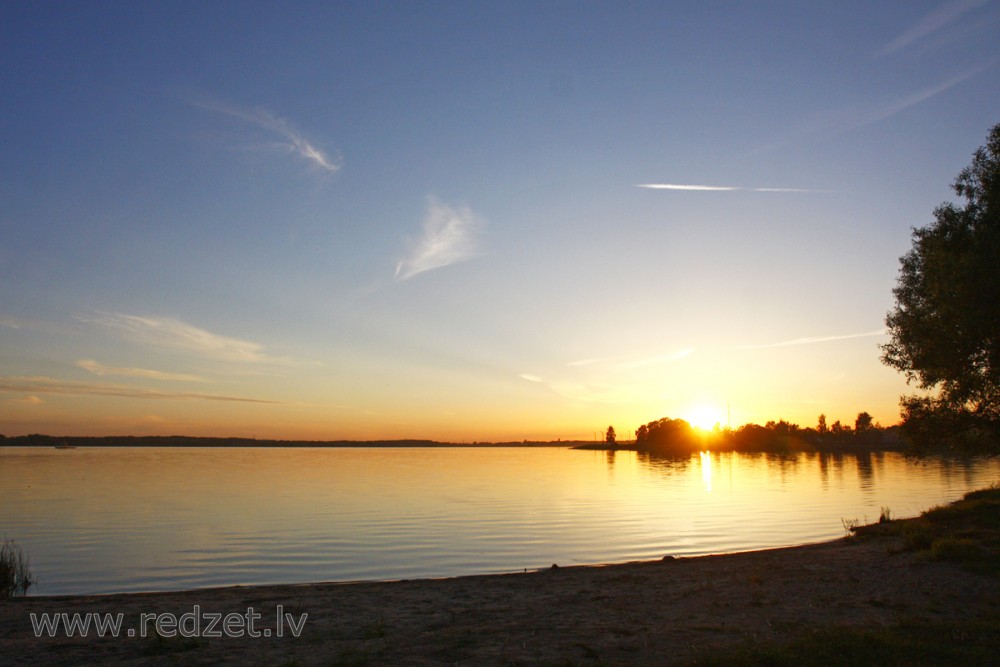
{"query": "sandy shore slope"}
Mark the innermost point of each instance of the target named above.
(654, 613)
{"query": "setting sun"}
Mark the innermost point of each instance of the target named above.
(705, 416)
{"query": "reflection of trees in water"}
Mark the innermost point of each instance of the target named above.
(672, 464)
(838, 465)
(783, 463)
(866, 473)
(809, 484)
(961, 467)
(824, 470)
(832, 464)
(827, 464)
(666, 464)
(782, 460)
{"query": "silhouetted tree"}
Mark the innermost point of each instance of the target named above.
(839, 429)
(863, 422)
(821, 426)
(945, 328)
(610, 437)
(668, 436)
(676, 437)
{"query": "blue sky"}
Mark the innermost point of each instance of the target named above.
(468, 221)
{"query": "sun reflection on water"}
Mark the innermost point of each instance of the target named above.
(706, 470)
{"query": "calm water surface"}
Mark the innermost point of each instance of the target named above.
(102, 520)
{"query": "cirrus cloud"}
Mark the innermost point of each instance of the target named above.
(931, 23)
(809, 340)
(717, 188)
(46, 385)
(167, 332)
(450, 235)
(100, 369)
(292, 141)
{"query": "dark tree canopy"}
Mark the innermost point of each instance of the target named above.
(668, 435)
(676, 437)
(863, 422)
(945, 328)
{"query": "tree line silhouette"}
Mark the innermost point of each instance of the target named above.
(677, 436)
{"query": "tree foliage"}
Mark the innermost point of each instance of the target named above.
(863, 422)
(668, 435)
(676, 437)
(945, 327)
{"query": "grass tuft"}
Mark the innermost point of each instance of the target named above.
(955, 549)
(15, 574)
(966, 532)
(850, 525)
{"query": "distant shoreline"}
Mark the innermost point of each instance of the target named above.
(84, 442)
(141, 442)
(70, 442)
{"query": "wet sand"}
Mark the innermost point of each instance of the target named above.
(650, 613)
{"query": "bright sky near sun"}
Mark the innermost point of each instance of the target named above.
(468, 221)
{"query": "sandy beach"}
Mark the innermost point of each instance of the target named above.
(652, 613)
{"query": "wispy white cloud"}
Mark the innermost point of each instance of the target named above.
(46, 385)
(450, 235)
(676, 186)
(100, 369)
(170, 333)
(931, 23)
(812, 339)
(893, 107)
(531, 378)
(847, 118)
(718, 188)
(292, 141)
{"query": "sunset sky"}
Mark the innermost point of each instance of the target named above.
(468, 221)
